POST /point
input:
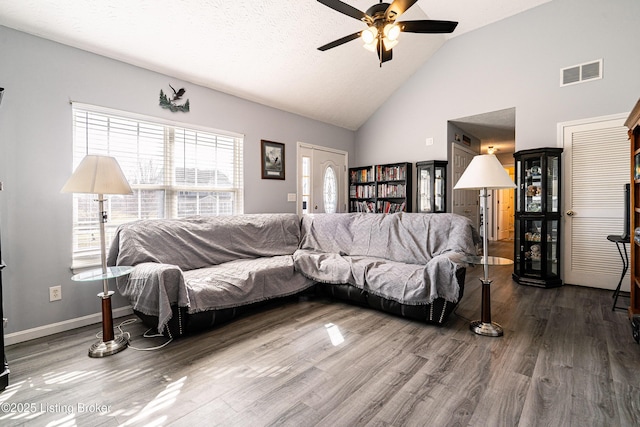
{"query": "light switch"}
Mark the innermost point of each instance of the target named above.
(291, 197)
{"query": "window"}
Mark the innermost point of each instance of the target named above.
(174, 172)
(330, 191)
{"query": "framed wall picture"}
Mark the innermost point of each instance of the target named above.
(272, 159)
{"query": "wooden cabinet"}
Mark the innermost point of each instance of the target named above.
(537, 223)
(431, 183)
(633, 123)
(380, 188)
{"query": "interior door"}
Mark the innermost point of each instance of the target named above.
(322, 183)
(465, 202)
(506, 210)
(596, 167)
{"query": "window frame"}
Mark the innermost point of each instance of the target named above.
(170, 189)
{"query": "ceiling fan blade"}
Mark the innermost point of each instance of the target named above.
(348, 10)
(428, 26)
(387, 55)
(397, 8)
(340, 41)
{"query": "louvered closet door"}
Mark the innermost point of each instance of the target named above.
(596, 167)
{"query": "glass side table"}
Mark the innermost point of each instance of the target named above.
(110, 344)
(485, 326)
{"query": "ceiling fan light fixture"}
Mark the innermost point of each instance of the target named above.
(389, 44)
(391, 31)
(369, 35)
(371, 47)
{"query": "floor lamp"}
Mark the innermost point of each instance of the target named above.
(101, 175)
(485, 173)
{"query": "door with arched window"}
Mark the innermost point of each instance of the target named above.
(322, 185)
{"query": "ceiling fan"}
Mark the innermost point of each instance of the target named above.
(382, 30)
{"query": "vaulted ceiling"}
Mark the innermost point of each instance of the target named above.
(260, 50)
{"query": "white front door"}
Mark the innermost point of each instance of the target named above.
(465, 202)
(596, 167)
(322, 180)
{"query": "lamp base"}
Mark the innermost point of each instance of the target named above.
(487, 329)
(107, 348)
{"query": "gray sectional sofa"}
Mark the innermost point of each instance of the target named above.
(194, 273)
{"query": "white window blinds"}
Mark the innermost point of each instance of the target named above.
(174, 172)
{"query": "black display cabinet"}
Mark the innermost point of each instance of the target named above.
(431, 194)
(537, 224)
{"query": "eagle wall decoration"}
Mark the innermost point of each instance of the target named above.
(171, 104)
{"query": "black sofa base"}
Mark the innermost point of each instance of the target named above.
(436, 313)
(183, 323)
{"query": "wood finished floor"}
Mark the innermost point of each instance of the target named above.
(566, 359)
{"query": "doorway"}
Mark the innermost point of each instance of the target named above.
(483, 133)
(322, 179)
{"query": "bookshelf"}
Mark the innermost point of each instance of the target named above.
(362, 189)
(380, 188)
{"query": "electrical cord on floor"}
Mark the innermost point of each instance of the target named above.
(145, 335)
(455, 312)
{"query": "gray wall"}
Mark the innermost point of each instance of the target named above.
(40, 77)
(515, 62)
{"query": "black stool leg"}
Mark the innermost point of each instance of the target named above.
(625, 267)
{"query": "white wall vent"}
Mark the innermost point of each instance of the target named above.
(581, 73)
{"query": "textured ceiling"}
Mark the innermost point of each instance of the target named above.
(261, 50)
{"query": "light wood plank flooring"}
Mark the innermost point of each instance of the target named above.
(566, 359)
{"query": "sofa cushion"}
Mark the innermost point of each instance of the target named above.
(243, 281)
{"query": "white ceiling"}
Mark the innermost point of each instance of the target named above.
(261, 50)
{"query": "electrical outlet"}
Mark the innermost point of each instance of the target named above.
(55, 293)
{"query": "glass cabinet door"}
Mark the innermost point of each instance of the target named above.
(440, 188)
(551, 258)
(552, 183)
(532, 247)
(424, 190)
(533, 184)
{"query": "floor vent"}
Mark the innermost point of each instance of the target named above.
(581, 73)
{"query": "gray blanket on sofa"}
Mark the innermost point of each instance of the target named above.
(207, 263)
(405, 257)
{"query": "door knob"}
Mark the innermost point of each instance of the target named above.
(570, 213)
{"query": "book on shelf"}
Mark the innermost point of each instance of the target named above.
(362, 191)
(390, 207)
(361, 175)
(363, 206)
(391, 173)
(392, 190)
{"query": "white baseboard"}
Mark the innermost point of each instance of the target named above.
(67, 325)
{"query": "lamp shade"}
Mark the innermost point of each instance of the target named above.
(98, 175)
(484, 171)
